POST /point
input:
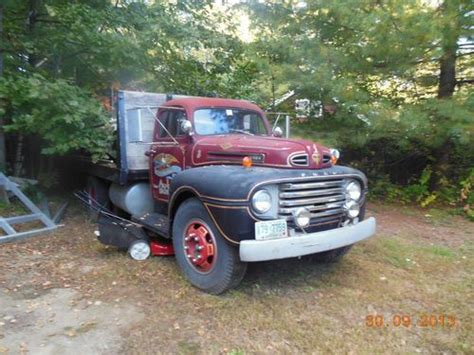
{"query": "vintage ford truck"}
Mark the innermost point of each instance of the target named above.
(221, 188)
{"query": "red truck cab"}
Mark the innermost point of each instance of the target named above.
(223, 131)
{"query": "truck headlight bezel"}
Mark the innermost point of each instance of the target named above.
(353, 190)
(262, 201)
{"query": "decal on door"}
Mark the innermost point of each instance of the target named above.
(163, 165)
(165, 169)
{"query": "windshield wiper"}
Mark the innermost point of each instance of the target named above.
(241, 131)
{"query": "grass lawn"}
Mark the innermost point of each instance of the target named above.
(419, 267)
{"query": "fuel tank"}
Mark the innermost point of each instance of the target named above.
(135, 199)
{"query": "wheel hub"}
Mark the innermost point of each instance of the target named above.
(139, 250)
(199, 247)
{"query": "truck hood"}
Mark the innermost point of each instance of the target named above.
(264, 151)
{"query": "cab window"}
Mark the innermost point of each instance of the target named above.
(171, 119)
(228, 121)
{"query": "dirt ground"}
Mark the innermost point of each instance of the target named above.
(67, 293)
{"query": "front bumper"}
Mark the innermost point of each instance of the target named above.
(305, 244)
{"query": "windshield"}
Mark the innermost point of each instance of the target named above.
(225, 120)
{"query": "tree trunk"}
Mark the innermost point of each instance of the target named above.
(3, 160)
(18, 162)
(32, 59)
(273, 93)
(449, 43)
(447, 76)
(30, 25)
(450, 10)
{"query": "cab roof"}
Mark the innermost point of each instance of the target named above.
(190, 104)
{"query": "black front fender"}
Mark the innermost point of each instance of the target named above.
(226, 191)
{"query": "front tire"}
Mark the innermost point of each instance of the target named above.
(206, 259)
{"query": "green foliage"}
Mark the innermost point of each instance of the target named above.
(377, 65)
(418, 191)
(33, 192)
(62, 58)
(13, 208)
(467, 194)
(49, 180)
(64, 115)
(384, 189)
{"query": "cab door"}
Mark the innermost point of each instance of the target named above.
(167, 155)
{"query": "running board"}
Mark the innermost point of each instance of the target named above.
(154, 222)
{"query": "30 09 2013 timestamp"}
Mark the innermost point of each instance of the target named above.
(407, 321)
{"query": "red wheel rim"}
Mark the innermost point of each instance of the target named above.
(200, 246)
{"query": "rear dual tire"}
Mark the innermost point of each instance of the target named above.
(207, 260)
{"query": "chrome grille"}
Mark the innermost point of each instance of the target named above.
(299, 160)
(324, 199)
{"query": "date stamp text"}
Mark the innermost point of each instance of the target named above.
(407, 321)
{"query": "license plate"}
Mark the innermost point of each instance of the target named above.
(270, 229)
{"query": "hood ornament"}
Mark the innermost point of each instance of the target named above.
(316, 156)
(226, 146)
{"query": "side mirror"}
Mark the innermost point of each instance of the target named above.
(277, 132)
(187, 127)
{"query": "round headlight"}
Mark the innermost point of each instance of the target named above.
(353, 190)
(262, 201)
(352, 209)
(302, 217)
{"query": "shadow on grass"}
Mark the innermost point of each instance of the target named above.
(279, 276)
(288, 274)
